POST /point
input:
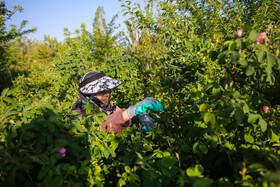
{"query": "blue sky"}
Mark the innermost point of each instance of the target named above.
(50, 17)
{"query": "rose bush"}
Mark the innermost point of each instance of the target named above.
(219, 88)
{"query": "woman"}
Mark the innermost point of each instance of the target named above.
(96, 87)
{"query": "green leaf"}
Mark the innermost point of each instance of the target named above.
(56, 86)
(203, 182)
(139, 155)
(269, 76)
(12, 91)
(121, 182)
(263, 124)
(3, 104)
(47, 105)
(98, 120)
(234, 57)
(88, 109)
(271, 60)
(250, 70)
(239, 115)
(249, 138)
(51, 127)
(243, 63)
(60, 143)
(232, 46)
(236, 94)
(208, 86)
(43, 171)
(203, 108)
(216, 91)
(112, 152)
(36, 159)
(14, 131)
(195, 171)
(84, 170)
(195, 147)
(261, 56)
(246, 108)
(256, 167)
(114, 145)
(57, 181)
(54, 158)
(253, 118)
(209, 117)
(203, 148)
(189, 45)
(253, 35)
(79, 127)
(4, 92)
(9, 100)
(228, 109)
(72, 170)
(223, 130)
(273, 137)
(277, 62)
(168, 161)
(45, 158)
(199, 147)
(107, 153)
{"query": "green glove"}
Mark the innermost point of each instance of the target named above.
(142, 107)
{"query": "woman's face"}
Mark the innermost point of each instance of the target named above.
(104, 97)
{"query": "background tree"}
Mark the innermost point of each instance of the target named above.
(99, 22)
(104, 39)
(5, 37)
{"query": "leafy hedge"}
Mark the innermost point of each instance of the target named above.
(220, 125)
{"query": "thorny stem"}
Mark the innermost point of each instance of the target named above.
(225, 150)
(180, 117)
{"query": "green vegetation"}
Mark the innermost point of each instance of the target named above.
(213, 64)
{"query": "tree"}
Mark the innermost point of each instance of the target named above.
(7, 36)
(103, 39)
(99, 22)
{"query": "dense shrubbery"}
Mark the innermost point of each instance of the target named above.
(219, 87)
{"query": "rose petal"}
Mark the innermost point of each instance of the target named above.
(239, 33)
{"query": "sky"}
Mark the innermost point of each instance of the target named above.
(50, 17)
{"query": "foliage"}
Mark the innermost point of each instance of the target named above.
(5, 37)
(104, 39)
(220, 125)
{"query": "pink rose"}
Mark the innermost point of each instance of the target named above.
(261, 39)
(62, 152)
(272, 119)
(265, 108)
(239, 33)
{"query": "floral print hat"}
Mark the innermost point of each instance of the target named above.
(96, 82)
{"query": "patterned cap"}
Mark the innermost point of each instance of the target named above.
(96, 82)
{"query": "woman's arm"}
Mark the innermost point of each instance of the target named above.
(125, 116)
(116, 122)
